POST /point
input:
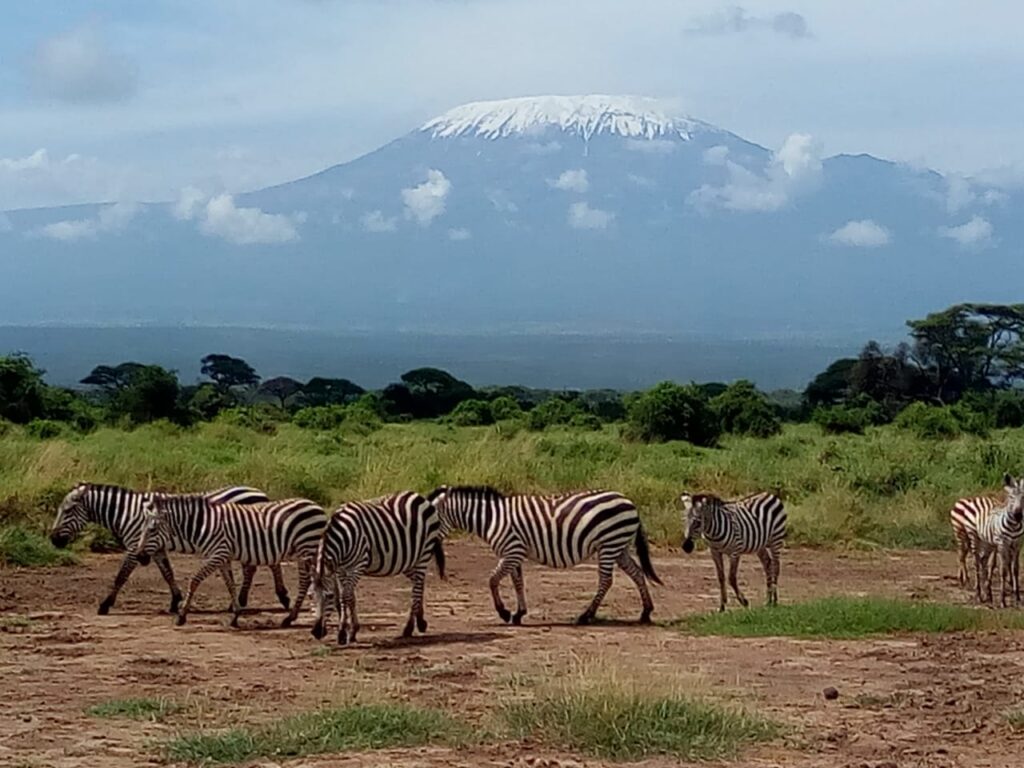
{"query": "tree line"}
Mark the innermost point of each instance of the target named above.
(961, 371)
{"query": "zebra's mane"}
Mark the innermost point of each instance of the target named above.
(488, 492)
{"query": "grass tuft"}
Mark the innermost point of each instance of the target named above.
(847, 618)
(20, 546)
(596, 712)
(153, 710)
(1015, 719)
(357, 727)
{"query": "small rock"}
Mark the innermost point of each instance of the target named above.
(830, 694)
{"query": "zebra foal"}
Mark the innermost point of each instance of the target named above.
(119, 510)
(964, 518)
(997, 535)
(556, 531)
(254, 534)
(753, 524)
(387, 536)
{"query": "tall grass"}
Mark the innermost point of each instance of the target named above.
(848, 618)
(20, 546)
(887, 488)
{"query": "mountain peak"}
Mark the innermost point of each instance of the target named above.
(637, 117)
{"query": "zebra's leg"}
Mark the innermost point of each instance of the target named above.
(517, 581)
(716, 556)
(734, 570)
(963, 550)
(248, 573)
(127, 566)
(635, 572)
(1003, 558)
(229, 582)
(347, 632)
(776, 564)
(305, 578)
(505, 567)
(279, 586)
(765, 556)
(605, 569)
(164, 565)
(416, 619)
(980, 566)
(319, 600)
(214, 563)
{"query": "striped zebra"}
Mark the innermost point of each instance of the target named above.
(119, 510)
(963, 518)
(998, 534)
(755, 523)
(387, 536)
(255, 534)
(556, 531)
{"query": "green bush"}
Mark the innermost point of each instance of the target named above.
(1008, 410)
(848, 419)
(321, 417)
(554, 412)
(44, 429)
(932, 422)
(504, 407)
(261, 418)
(742, 410)
(23, 547)
(672, 412)
(472, 413)
(588, 421)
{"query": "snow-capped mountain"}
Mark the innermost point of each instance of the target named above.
(588, 213)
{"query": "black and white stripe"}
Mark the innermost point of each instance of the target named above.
(999, 534)
(753, 524)
(557, 531)
(119, 510)
(254, 534)
(964, 518)
(387, 536)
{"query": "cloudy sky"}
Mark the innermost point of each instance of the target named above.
(127, 100)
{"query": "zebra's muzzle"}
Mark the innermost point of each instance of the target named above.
(59, 541)
(687, 546)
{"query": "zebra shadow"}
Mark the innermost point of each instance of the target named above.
(439, 638)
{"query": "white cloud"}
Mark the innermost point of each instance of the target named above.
(376, 221)
(39, 179)
(582, 216)
(426, 201)
(38, 159)
(862, 233)
(652, 146)
(79, 66)
(246, 226)
(502, 202)
(190, 204)
(793, 170)
(716, 155)
(736, 20)
(110, 219)
(976, 233)
(571, 181)
(459, 233)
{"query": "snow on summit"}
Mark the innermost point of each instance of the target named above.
(636, 117)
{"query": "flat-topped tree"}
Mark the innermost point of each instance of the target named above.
(227, 372)
(282, 388)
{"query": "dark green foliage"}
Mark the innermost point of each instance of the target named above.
(935, 422)
(605, 404)
(433, 392)
(558, 411)
(743, 410)
(44, 429)
(152, 394)
(22, 391)
(26, 548)
(472, 413)
(588, 421)
(849, 419)
(281, 388)
(832, 385)
(325, 391)
(112, 379)
(320, 417)
(261, 418)
(227, 372)
(672, 412)
(397, 401)
(504, 407)
(207, 401)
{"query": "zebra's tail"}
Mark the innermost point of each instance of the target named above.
(439, 556)
(644, 554)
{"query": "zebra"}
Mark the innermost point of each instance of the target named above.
(390, 535)
(755, 523)
(255, 534)
(999, 534)
(964, 518)
(556, 531)
(119, 510)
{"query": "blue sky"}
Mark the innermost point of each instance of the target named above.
(124, 100)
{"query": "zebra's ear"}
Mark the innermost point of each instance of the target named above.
(1007, 480)
(686, 500)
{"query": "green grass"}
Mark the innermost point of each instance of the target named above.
(1015, 719)
(357, 727)
(883, 489)
(844, 617)
(135, 709)
(20, 546)
(620, 722)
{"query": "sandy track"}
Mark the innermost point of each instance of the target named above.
(909, 701)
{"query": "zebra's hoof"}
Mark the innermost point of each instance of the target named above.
(287, 621)
(407, 632)
(645, 617)
(175, 604)
(285, 600)
(234, 621)
(318, 630)
(744, 602)
(421, 624)
(243, 601)
(585, 618)
(105, 607)
(180, 621)
(517, 617)
(505, 614)
(342, 637)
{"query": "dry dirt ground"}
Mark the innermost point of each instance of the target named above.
(909, 701)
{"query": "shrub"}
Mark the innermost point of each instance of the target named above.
(1008, 410)
(849, 419)
(586, 421)
(742, 410)
(28, 549)
(44, 429)
(941, 422)
(472, 413)
(261, 418)
(552, 412)
(672, 412)
(503, 408)
(320, 417)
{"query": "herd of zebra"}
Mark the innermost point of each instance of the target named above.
(401, 534)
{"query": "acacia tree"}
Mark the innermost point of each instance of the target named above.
(112, 379)
(324, 391)
(282, 388)
(227, 372)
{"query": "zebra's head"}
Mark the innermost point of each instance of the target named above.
(439, 498)
(1014, 495)
(695, 509)
(154, 527)
(72, 516)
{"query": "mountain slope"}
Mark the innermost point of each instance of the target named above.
(595, 213)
